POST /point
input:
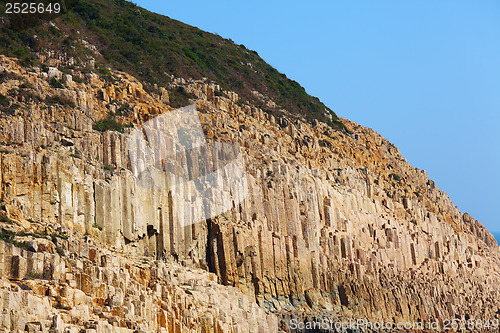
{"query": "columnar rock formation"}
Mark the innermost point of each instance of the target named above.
(100, 290)
(334, 221)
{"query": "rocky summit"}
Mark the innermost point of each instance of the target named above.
(335, 225)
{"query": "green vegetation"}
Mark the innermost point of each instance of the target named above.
(5, 219)
(61, 307)
(108, 167)
(55, 83)
(152, 47)
(4, 105)
(395, 177)
(97, 226)
(110, 124)
(8, 237)
(104, 70)
(123, 109)
(32, 234)
(59, 100)
(34, 275)
(180, 97)
(59, 236)
(4, 100)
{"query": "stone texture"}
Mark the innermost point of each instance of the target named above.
(334, 223)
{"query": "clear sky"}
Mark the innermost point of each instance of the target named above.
(425, 74)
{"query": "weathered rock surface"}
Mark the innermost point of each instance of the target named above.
(333, 222)
(103, 290)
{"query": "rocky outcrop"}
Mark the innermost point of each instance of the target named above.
(334, 222)
(103, 291)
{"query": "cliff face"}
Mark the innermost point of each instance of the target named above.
(336, 225)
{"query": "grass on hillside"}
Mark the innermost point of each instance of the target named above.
(151, 47)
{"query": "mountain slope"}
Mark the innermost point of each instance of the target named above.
(152, 47)
(336, 225)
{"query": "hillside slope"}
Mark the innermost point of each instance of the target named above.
(336, 225)
(155, 47)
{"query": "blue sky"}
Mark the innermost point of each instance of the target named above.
(424, 74)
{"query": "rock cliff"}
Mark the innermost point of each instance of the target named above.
(336, 224)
